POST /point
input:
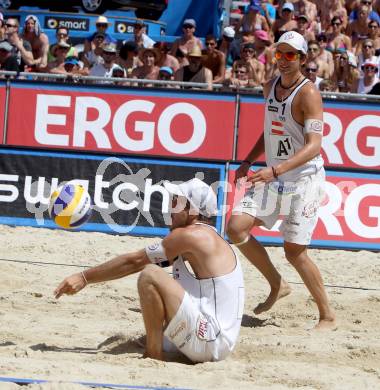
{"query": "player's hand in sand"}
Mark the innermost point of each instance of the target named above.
(71, 285)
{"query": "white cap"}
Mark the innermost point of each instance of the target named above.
(229, 32)
(293, 39)
(200, 195)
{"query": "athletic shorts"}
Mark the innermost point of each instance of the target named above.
(297, 203)
(194, 334)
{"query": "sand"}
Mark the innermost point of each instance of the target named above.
(95, 335)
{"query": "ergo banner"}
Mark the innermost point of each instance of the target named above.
(349, 216)
(351, 134)
(122, 121)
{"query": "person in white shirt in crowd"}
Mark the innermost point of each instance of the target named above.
(95, 55)
(199, 314)
(310, 70)
(143, 41)
(109, 55)
(367, 53)
(366, 82)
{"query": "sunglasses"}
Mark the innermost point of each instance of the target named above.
(372, 26)
(10, 25)
(369, 67)
(336, 24)
(368, 46)
(289, 55)
(188, 26)
(251, 51)
(101, 25)
(210, 43)
(366, 2)
(62, 35)
(310, 70)
(313, 49)
(240, 71)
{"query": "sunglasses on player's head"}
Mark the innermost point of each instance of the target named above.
(289, 55)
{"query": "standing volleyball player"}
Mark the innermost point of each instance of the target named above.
(292, 183)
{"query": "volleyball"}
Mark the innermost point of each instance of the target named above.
(70, 206)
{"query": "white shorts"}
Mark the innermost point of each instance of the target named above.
(297, 202)
(194, 334)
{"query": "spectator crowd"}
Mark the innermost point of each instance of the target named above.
(343, 48)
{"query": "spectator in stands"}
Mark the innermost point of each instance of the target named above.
(307, 8)
(357, 29)
(102, 25)
(95, 55)
(325, 56)
(195, 72)
(165, 59)
(374, 35)
(22, 49)
(326, 86)
(310, 70)
(166, 74)
(286, 21)
(313, 54)
(367, 52)
(129, 57)
(375, 90)
(188, 41)
(373, 15)
(62, 34)
(334, 9)
(345, 75)
(269, 12)
(119, 72)
(57, 65)
(214, 60)
(263, 53)
(141, 38)
(8, 61)
(366, 82)
(149, 70)
(38, 40)
(336, 40)
(241, 76)
(258, 69)
(74, 68)
(252, 20)
(235, 19)
(303, 26)
(229, 46)
(2, 27)
(105, 69)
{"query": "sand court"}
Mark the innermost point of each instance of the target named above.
(97, 335)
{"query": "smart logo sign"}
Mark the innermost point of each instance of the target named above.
(349, 217)
(123, 123)
(122, 27)
(73, 24)
(351, 134)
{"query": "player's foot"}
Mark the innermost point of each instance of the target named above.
(274, 296)
(326, 324)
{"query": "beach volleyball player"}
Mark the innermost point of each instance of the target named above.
(198, 315)
(292, 182)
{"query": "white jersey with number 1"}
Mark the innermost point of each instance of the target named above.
(284, 136)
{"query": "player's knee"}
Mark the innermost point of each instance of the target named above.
(146, 276)
(294, 253)
(235, 232)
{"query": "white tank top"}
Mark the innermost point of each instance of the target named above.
(220, 299)
(366, 88)
(284, 136)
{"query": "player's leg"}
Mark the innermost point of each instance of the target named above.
(238, 230)
(297, 255)
(160, 298)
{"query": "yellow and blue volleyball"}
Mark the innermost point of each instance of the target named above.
(70, 206)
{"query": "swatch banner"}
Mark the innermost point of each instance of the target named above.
(2, 107)
(148, 122)
(349, 217)
(351, 134)
(128, 195)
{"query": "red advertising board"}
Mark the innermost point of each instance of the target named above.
(351, 135)
(173, 123)
(2, 106)
(348, 218)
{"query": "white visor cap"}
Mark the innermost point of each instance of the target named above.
(293, 39)
(200, 195)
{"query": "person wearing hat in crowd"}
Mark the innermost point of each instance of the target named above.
(292, 182)
(102, 24)
(22, 49)
(105, 69)
(62, 34)
(229, 46)
(149, 69)
(263, 53)
(186, 43)
(143, 41)
(57, 65)
(195, 72)
(165, 58)
(366, 82)
(119, 72)
(8, 61)
(252, 20)
(129, 57)
(166, 74)
(214, 60)
(38, 40)
(286, 21)
(95, 55)
(199, 314)
(303, 27)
